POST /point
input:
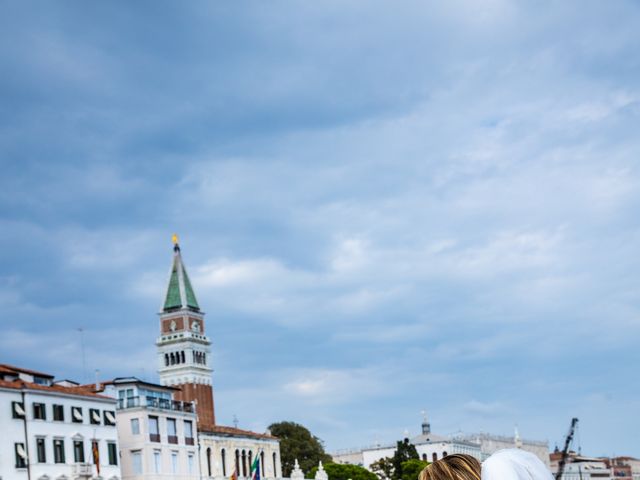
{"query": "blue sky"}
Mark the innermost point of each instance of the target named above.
(384, 207)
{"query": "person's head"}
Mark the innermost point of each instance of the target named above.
(452, 467)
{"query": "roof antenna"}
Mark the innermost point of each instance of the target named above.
(84, 357)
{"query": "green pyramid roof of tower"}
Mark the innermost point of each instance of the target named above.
(173, 299)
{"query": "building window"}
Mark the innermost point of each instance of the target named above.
(209, 462)
(190, 462)
(41, 450)
(58, 413)
(188, 432)
(109, 417)
(172, 435)
(136, 461)
(135, 426)
(112, 452)
(94, 416)
(244, 463)
(434, 456)
(182, 357)
(78, 451)
(250, 462)
(262, 471)
(21, 455)
(39, 412)
(424, 457)
(224, 463)
(174, 462)
(275, 465)
(154, 430)
(166, 360)
(76, 414)
(157, 461)
(58, 451)
(17, 409)
(444, 454)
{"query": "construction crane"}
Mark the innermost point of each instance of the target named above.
(565, 450)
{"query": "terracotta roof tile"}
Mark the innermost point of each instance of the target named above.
(4, 368)
(22, 385)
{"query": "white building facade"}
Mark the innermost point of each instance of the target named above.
(157, 434)
(50, 432)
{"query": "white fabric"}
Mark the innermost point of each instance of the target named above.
(22, 452)
(96, 416)
(19, 410)
(77, 415)
(514, 464)
(110, 417)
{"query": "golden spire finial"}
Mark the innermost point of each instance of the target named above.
(174, 238)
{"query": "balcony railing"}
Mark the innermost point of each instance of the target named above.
(188, 441)
(154, 402)
(83, 469)
(154, 437)
(172, 439)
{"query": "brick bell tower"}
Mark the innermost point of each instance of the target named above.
(184, 351)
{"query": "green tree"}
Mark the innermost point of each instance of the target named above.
(412, 468)
(338, 471)
(383, 468)
(297, 442)
(404, 451)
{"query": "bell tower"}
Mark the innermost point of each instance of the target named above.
(184, 350)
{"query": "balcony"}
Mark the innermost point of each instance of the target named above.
(154, 437)
(82, 470)
(188, 441)
(156, 403)
(172, 439)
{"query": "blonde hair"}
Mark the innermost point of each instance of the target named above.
(452, 467)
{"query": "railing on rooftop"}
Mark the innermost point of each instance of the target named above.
(154, 402)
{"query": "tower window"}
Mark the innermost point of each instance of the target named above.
(39, 411)
(224, 463)
(166, 360)
(209, 461)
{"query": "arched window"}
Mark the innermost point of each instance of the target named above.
(224, 463)
(434, 456)
(182, 356)
(444, 454)
(193, 356)
(244, 463)
(262, 472)
(237, 462)
(424, 457)
(209, 461)
(166, 359)
(173, 359)
(204, 358)
(275, 468)
(250, 462)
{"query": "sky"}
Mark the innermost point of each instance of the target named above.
(384, 207)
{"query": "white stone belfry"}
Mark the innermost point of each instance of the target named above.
(296, 473)
(321, 474)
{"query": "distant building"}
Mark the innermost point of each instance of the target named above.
(157, 433)
(580, 467)
(50, 431)
(430, 447)
(490, 444)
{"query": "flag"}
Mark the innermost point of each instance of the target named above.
(255, 468)
(96, 455)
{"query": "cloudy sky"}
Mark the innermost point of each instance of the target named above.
(384, 207)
